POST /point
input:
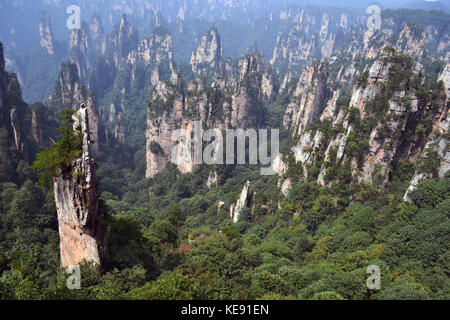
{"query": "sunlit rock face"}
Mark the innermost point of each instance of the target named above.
(366, 141)
(155, 53)
(208, 54)
(232, 101)
(241, 203)
(46, 33)
(81, 229)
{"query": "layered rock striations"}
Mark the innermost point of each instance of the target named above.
(208, 54)
(435, 159)
(71, 93)
(81, 229)
(307, 98)
(230, 102)
(2, 82)
(97, 36)
(313, 35)
(123, 39)
(241, 203)
(46, 33)
(20, 125)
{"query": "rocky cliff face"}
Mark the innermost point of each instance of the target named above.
(327, 35)
(208, 54)
(11, 142)
(307, 99)
(97, 37)
(156, 54)
(169, 97)
(85, 45)
(254, 84)
(15, 124)
(313, 35)
(46, 33)
(437, 148)
(406, 34)
(80, 53)
(71, 93)
(82, 234)
(229, 102)
(2, 82)
(36, 127)
(122, 41)
(386, 106)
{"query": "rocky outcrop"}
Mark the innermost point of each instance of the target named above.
(15, 124)
(293, 50)
(437, 149)
(71, 93)
(213, 180)
(368, 137)
(208, 54)
(123, 40)
(97, 37)
(241, 203)
(156, 54)
(248, 93)
(81, 229)
(80, 53)
(162, 123)
(36, 128)
(46, 33)
(404, 33)
(229, 102)
(2, 82)
(85, 45)
(313, 35)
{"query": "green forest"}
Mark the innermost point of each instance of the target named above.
(170, 235)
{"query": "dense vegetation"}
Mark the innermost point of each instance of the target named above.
(59, 156)
(312, 248)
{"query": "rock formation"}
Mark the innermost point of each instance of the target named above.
(241, 203)
(368, 137)
(14, 128)
(15, 123)
(307, 98)
(122, 41)
(71, 93)
(46, 33)
(80, 53)
(229, 102)
(438, 144)
(155, 53)
(81, 229)
(36, 128)
(97, 37)
(208, 54)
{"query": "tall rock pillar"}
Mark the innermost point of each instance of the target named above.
(82, 234)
